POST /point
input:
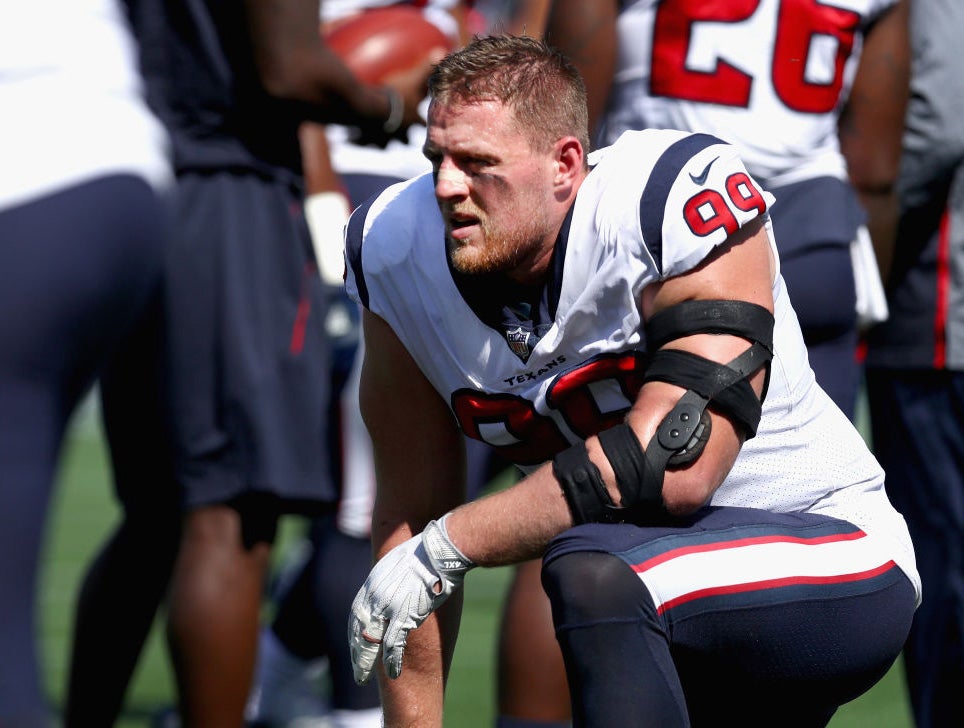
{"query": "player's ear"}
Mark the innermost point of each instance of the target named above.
(570, 159)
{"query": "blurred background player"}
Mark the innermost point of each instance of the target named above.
(82, 222)
(915, 361)
(340, 175)
(245, 352)
(304, 669)
(812, 95)
(822, 134)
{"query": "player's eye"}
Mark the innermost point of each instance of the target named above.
(474, 165)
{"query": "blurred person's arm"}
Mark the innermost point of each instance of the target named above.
(585, 30)
(461, 12)
(294, 64)
(872, 124)
(326, 203)
(529, 18)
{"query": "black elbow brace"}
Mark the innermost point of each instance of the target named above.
(583, 486)
(683, 433)
(639, 473)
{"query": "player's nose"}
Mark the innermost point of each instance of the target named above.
(450, 181)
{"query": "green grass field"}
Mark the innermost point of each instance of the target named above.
(84, 511)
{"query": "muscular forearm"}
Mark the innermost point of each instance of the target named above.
(415, 698)
(513, 525)
(872, 123)
(882, 216)
(518, 523)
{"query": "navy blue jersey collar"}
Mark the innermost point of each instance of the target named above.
(522, 313)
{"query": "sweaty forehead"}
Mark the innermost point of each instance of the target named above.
(477, 124)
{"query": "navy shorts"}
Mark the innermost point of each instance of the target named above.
(917, 417)
(247, 354)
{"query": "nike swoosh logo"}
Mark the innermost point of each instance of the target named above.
(701, 177)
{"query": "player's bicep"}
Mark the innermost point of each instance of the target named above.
(742, 268)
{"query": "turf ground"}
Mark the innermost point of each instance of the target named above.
(84, 511)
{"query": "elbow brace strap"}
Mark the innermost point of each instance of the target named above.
(725, 385)
(683, 433)
(582, 486)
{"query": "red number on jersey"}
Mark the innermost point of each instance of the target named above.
(673, 28)
(744, 193)
(571, 394)
(537, 437)
(533, 433)
(799, 22)
(707, 211)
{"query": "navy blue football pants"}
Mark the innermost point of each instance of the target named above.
(732, 617)
(77, 268)
(821, 286)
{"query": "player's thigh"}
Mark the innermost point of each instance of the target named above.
(762, 609)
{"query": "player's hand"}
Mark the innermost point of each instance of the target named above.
(409, 583)
(405, 89)
(412, 85)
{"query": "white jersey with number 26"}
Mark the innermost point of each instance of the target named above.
(768, 76)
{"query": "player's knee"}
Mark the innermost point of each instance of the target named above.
(589, 586)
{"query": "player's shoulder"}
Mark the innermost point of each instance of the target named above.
(645, 166)
(394, 214)
(664, 153)
(390, 227)
(677, 193)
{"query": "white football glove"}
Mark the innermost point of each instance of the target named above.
(406, 585)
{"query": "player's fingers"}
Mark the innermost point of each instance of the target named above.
(365, 632)
(396, 636)
(374, 631)
(393, 653)
(365, 642)
(363, 656)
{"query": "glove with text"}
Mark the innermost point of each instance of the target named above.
(406, 585)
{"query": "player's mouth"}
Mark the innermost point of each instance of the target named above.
(461, 226)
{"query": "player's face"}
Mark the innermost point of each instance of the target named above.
(493, 189)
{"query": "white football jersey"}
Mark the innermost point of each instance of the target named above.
(72, 100)
(654, 205)
(768, 76)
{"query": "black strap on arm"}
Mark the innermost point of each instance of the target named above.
(583, 486)
(725, 385)
(639, 478)
(683, 433)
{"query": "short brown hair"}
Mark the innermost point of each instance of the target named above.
(543, 88)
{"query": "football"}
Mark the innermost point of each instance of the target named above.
(379, 42)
